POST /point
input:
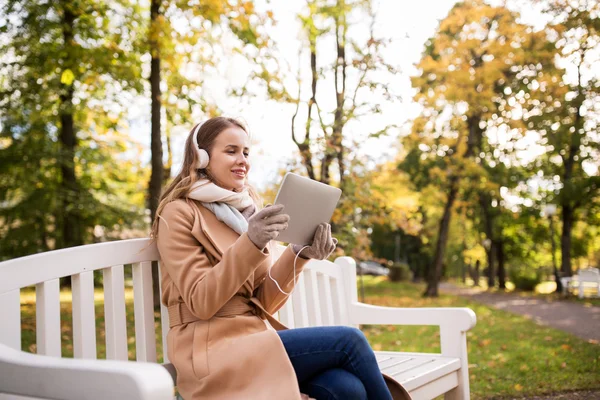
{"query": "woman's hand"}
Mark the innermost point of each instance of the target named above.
(266, 224)
(322, 246)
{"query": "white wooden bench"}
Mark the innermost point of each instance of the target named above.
(586, 279)
(326, 295)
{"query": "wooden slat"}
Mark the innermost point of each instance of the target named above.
(313, 298)
(114, 313)
(48, 318)
(327, 316)
(143, 301)
(406, 365)
(392, 361)
(164, 318)
(10, 315)
(31, 270)
(84, 315)
(299, 304)
(286, 314)
(339, 305)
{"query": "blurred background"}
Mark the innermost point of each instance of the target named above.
(464, 135)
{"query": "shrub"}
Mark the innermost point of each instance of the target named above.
(400, 272)
(525, 279)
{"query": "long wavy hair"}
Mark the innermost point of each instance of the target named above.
(181, 185)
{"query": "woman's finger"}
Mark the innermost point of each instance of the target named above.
(269, 211)
(317, 237)
(327, 238)
(276, 227)
(277, 219)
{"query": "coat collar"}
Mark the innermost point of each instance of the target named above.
(218, 233)
(215, 236)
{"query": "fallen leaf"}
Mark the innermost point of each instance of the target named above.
(518, 387)
(548, 338)
(563, 365)
(565, 347)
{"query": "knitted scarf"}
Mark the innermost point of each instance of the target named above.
(225, 204)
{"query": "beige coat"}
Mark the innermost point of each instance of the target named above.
(213, 282)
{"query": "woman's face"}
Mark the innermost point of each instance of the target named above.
(229, 164)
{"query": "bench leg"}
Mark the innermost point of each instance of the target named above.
(454, 394)
(454, 344)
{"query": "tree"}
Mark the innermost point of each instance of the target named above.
(565, 116)
(180, 39)
(463, 72)
(59, 179)
(353, 69)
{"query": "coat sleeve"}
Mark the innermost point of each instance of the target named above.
(204, 288)
(283, 272)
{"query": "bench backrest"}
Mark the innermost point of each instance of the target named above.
(589, 275)
(319, 299)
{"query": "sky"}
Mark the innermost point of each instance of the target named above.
(407, 24)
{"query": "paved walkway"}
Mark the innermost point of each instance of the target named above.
(568, 316)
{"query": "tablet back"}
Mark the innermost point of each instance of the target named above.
(308, 203)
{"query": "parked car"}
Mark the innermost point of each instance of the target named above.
(371, 268)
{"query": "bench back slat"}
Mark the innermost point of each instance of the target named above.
(164, 319)
(84, 315)
(299, 304)
(10, 315)
(286, 314)
(327, 314)
(114, 313)
(313, 298)
(47, 301)
(143, 301)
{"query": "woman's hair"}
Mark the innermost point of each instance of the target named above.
(182, 183)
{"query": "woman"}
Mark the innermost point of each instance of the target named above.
(220, 285)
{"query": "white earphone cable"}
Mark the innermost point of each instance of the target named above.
(277, 284)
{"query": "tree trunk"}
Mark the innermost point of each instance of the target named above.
(501, 269)
(568, 210)
(484, 202)
(559, 287)
(156, 177)
(565, 240)
(435, 269)
(72, 234)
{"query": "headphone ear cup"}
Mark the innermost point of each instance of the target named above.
(202, 159)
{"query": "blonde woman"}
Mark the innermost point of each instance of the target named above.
(221, 287)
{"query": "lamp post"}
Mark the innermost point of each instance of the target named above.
(550, 211)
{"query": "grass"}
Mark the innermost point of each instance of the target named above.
(509, 355)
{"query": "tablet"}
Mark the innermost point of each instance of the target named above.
(308, 203)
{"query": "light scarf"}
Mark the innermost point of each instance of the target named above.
(225, 204)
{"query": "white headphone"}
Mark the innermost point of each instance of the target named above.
(201, 153)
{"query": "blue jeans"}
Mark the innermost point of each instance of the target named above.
(334, 363)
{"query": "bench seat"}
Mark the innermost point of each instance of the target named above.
(416, 370)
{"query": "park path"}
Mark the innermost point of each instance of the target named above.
(576, 318)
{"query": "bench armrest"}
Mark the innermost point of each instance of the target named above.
(41, 376)
(462, 319)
